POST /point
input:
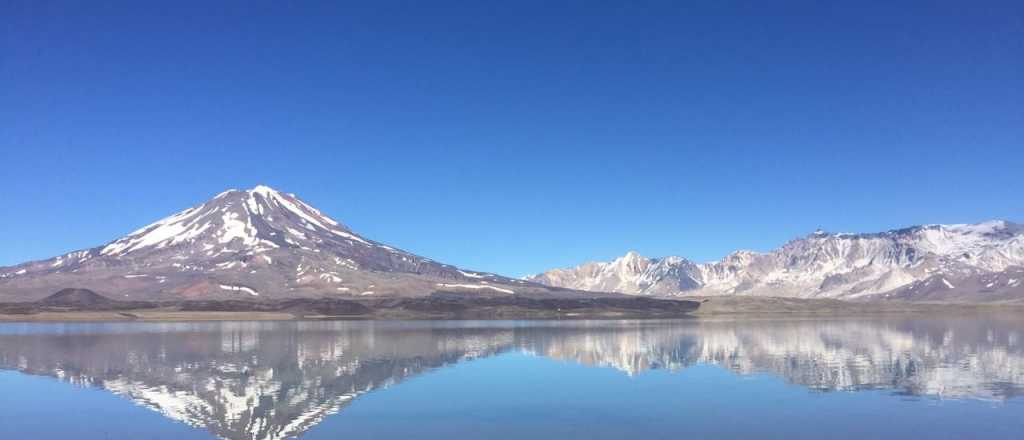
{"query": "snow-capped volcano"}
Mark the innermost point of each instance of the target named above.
(969, 262)
(253, 243)
(255, 223)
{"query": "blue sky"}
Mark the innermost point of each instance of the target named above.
(514, 137)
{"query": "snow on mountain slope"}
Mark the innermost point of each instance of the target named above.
(826, 265)
(254, 243)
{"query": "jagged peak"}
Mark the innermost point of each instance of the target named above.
(738, 257)
(631, 255)
(987, 227)
(673, 259)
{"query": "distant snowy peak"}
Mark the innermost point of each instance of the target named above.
(820, 264)
(631, 273)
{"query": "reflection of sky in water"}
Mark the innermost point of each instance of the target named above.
(729, 378)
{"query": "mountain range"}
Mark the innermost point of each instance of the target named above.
(264, 244)
(963, 262)
(257, 244)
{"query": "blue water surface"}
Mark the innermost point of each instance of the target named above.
(801, 378)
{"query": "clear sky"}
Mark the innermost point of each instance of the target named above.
(514, 136)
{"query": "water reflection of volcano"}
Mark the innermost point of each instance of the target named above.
(253, 381)
(273, 380)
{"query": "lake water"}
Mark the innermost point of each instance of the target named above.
(803, 378)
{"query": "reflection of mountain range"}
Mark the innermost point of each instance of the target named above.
(928, 358)
(273, 380)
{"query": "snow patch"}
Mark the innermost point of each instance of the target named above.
(330, 277)
(475, 286)
(235, 288)
(472, 274)
(235, 228)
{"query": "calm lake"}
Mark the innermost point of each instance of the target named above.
(795, 378)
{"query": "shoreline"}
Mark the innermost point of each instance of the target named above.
(784, 306)
(88, 306)
(533, 309)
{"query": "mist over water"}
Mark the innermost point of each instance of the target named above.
(944, 378)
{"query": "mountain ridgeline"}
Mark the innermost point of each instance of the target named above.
(959, 263)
